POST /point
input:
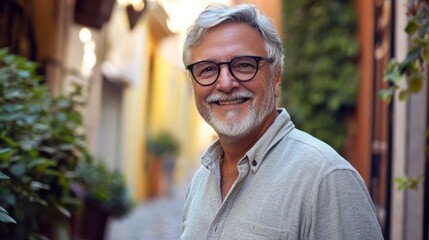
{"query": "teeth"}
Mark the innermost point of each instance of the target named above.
(231, 102)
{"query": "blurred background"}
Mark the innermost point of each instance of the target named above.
(100, 135)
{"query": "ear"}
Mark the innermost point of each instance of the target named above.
(277, 81)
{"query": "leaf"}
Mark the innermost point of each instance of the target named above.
(386, 95)
(400, 182)
(18, 169)
(415, 83)
(4, 217)
(6, 153)
(41, 127)
(34, 153)
(8, 197)
(403, 95)
(47, 149)
(412, 26)
(393, 77)
(42, 162)
(40, 201)
(2, 209)
(37, 236)
(10, 142)
(408, 182)
(392, 65)
(3, 176)
(63, 210)
(38, 185)
(65, 147)
(26, 144)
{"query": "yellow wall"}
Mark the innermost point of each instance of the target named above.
(173, 108)
(135, 111)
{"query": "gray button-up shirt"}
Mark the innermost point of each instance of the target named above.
(290, 186)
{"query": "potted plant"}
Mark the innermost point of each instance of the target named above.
(105, 195)
(40, 146)
(163, 149)
(46, 170)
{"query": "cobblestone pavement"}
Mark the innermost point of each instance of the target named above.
(156, 219)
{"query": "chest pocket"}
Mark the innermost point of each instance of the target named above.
(252, 231)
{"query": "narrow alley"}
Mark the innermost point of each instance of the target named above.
(155, 219)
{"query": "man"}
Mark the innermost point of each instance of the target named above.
(263, 178)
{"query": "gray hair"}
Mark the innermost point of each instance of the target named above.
(214, 15)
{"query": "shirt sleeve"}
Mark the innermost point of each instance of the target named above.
(341, 208)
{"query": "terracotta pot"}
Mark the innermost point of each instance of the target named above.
(157, 181)
(91, 225)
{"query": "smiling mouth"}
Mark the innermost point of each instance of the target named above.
(230, 102)
(223, 99)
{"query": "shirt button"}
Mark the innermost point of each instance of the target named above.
(254, 163)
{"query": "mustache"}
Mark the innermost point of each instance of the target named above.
(221, 96)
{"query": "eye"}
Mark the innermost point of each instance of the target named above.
(244, 64)
(205, 69)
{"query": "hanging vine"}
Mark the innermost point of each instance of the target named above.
(415, 66)
(414, 69)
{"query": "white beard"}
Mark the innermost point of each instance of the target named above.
(234, 129)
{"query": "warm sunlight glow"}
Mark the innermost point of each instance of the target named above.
(85, 35)
(89, 59)
(138, 5)
(183, 12)
(122, 2)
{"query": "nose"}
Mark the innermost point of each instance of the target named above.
(226, 82)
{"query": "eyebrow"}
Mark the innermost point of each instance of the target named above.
(228, 60)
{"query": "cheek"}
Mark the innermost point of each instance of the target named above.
(200, 94)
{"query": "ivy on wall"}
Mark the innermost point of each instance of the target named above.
(321, 72)
(413, 70)
(414, 66)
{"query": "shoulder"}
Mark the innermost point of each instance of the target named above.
(302, 149)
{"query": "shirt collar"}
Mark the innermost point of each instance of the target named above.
(213, 153)
(281, 126)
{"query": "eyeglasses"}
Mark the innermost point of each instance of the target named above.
(243, 68)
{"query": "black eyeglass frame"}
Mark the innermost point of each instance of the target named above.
(257, 59)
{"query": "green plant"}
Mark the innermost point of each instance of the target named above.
(414, 65)
(4, 216)
(40, 146)
(408, 182)
(163, 143)
(321, 75)
(413, 69)
(103, 188)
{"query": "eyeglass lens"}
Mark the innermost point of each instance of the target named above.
(241, 68)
